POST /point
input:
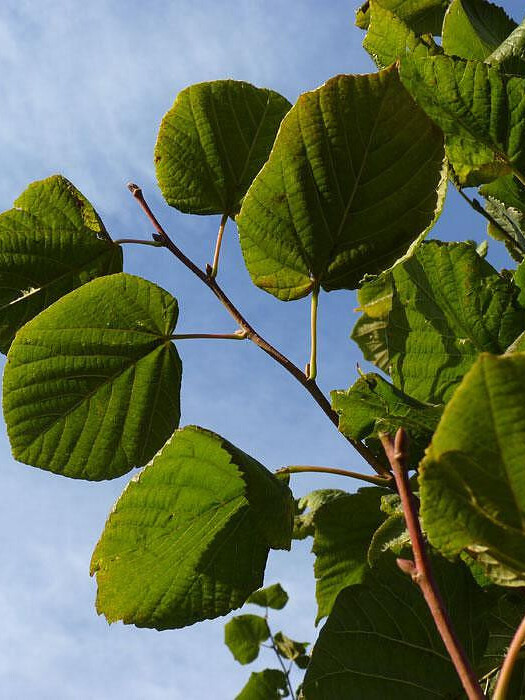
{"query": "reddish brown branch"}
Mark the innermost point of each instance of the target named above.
(505, 675)
(309, 384)
(420, 569)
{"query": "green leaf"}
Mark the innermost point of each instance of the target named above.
(480, 110)
(390, 536)
(189, 537)
(380, 640)
(269, 684)
(503, 620)
(505, 202)
(274, 597)
(372, 406)
(91, 385)
(289, 648)
(213, 142)
(422, 16)
(389, 38)
(50, 243)
(343, 530)
(243, 636)
(346, 188)
(472, 485)
(447, 305)
(510, 54)
(473, 29)
(306, 508)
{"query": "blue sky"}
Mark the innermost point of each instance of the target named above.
(83, 87)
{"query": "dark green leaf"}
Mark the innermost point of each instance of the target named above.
(472, 483)
(343, 531)
(289, 648)
(269, 684)
(370, 331)
(213, 142)
(91, 386)
(447, 305)
(271, 597)
(346, 188)
(422, 16)
(189, 537)
(481, 112)
(372, 406)
(50, 243)
(473, 29)
(243, 636)
(380, 640)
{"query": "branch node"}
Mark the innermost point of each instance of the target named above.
(134, 189)
(209, 271)
(408, 567)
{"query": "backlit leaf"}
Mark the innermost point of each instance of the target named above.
(472, 484)
(189, 537)
(243, 635)
(51, 242)
(91, 385)
(346, 189)
(213, 142)
(269, 684)
(422, 16)
(274, 597)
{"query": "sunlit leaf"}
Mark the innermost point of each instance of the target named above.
(346, 189)
(189, 537)
(472, 483)
(51, 242)
(274, 597)
(473, 29)
(91, 386)
(213, 142)
(422, 16)
(269, 684)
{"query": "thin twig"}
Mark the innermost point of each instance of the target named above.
(138, 241)
(502, 684)
(281, 662)
(420, 569)
(215, 266)
(298, 469)
(162, 237)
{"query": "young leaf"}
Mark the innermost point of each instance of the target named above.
(189, 537)
(243, 635)
(50, 243)
(372, 406)
(289, 648)
(91, 385)
(269, 684)
(343, 530)
(473, 29)
(274, 597)
(380, 639)
(472, 485)
(447, 305)
(346, 189)
(213, 142)
(481, 112)
(306, 508)
(422, 16)
(390, 536)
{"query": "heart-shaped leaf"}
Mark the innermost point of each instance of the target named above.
(274, 597)
(213, 142)
(189, 537)
(346, 189)
(50, 243)
(243, 636)
(91, 385)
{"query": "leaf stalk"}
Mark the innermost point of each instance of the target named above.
(370, 479)
(502, 684)
(215, 266)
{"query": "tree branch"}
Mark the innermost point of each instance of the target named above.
(420, 569)
(502, 685)
(311, 387)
